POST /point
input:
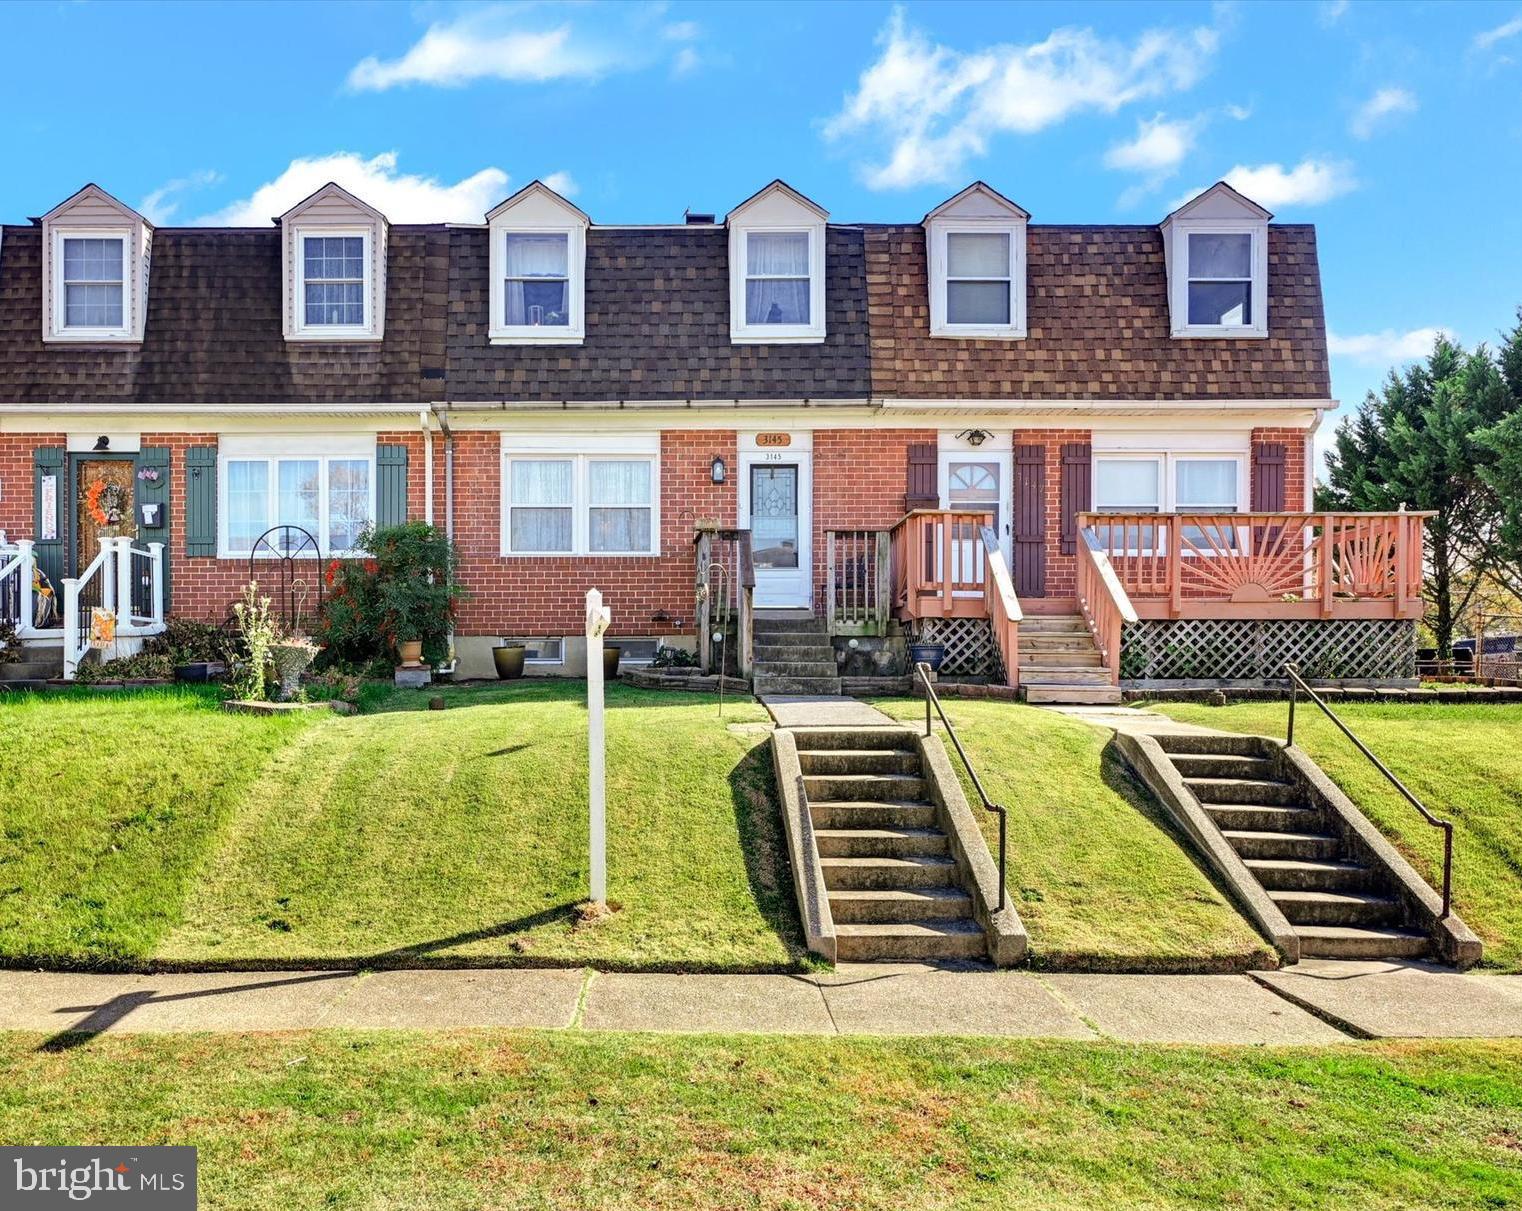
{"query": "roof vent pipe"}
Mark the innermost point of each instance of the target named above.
(695, 219)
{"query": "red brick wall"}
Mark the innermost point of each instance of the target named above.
(546, 596)
(17, 515)
(859, 481)
(1297, 444)
(1061, 570)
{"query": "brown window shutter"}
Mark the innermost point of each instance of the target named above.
(1268, 469)
(922, 491)
(1030, 521)
(1077, 490)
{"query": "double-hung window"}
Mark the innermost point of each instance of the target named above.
(1180, 483)
(580, 504)
(330, 496)
(536, 288)
(777, 282)
(1220, 279)
(334, 283)
(979, 276)
(92, 285)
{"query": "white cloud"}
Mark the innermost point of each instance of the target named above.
(1386, 347)
(930, 109)
(1384, 103)
(1160, 145)
(561, 182)
(514, 43)
(1501, 33)
(401, 197)
(1329, 12)
(1273, 185)
(164, 202)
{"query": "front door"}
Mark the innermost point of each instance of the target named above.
(104, 508)
(776, 505)
(975, 484)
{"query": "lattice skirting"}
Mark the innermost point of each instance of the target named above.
(1248, 649)
(970, 650)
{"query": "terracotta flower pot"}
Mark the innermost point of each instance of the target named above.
(509, 661)
(411, 652)
(610, 657)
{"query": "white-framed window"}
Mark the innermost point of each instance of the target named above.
(537, 288)
(1173, 483)
(977, 280)
(560, 503)
(334, 274)
(1220, 286)
(329, 494)
(778, 285)
(634, 649)
(90, 296)
(547, 650)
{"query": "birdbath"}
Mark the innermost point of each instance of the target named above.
(291, 658)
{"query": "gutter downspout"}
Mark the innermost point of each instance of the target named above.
(448, 501)
(423, 420)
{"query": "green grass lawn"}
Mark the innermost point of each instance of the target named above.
(1464, 762)
(1096, 872)
(402, 836)
(548, 1120)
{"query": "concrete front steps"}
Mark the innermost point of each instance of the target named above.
(1060, 664)
(893, 887)
(792, 654)
(39, 664)
(1340, 906)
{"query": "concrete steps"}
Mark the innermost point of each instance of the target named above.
(1060, 664)
(893, 885)
(793, 655)
(1339, 906)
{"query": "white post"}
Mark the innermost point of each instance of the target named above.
(123, 584)
(598, 618)
(107, 576)
(70, 626)
(28, 564)
(156, 555)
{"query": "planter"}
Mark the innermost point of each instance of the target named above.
(410, 652)
(200, 671)
(610, 656)
(509, 661)
(927, 653)
(291, 660)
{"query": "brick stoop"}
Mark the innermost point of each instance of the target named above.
(1060, 664)
(793, 654)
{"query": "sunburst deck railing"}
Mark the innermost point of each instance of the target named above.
(1263, 565)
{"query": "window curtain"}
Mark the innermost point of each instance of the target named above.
(1207, 484)
(1127, 485)
(539, 503)
(619, 505)
(348, 502)
(534, 295)
(247, 503)
(777, 277)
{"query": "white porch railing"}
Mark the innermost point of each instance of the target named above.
(16, 564)
(125, 580)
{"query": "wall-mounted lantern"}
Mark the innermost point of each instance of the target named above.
(974, 437)
(718, 470)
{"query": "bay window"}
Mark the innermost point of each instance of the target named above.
(580, 504)
(330, 496)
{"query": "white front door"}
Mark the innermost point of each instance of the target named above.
(776, 504)
(976, 483)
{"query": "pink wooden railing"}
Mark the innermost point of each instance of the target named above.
(938, 564)
(1001, 604)
(1264, 565)
(1103, 602)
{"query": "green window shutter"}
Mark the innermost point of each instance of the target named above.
(50, 461)
(390, 485)
(201, 501)
(153, 491)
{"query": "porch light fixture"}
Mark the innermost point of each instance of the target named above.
(974, 437)
(102, 442)
(718, 470)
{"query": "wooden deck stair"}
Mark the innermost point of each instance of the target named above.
(893, 886)
(1060, 664)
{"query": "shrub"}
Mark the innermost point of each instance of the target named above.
(10, 642)
(260, 630)
(674, 658)
(144, 666)
(187, 641)
(404, 589)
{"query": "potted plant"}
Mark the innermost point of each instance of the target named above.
(927, 653)
(610, 657)
(508, 657)
(412, 607)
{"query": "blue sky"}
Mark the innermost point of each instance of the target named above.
(1396, 129)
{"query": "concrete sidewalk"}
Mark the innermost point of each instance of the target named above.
(1313, 1003)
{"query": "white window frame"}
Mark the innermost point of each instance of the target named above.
(742, 332)
(63, 330)
(1167, 463)
(335, 332)
(499, 332)
(939, 278)
(272, 454)
(557, 640)
(581, 506)
(1258, 234)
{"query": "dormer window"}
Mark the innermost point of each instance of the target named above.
(95, 258)
(975, 250)
(94, 283)
(777, 269)
(335, 268)
(1216, 247)
(538, 257)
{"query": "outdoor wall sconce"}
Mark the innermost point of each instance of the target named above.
(718, 470)
(975, 437)
(102, 442)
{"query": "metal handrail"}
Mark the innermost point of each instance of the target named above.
(1297, 683)
(932, 699)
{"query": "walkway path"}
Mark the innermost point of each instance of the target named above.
(809, 710)
(1312, 1003)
